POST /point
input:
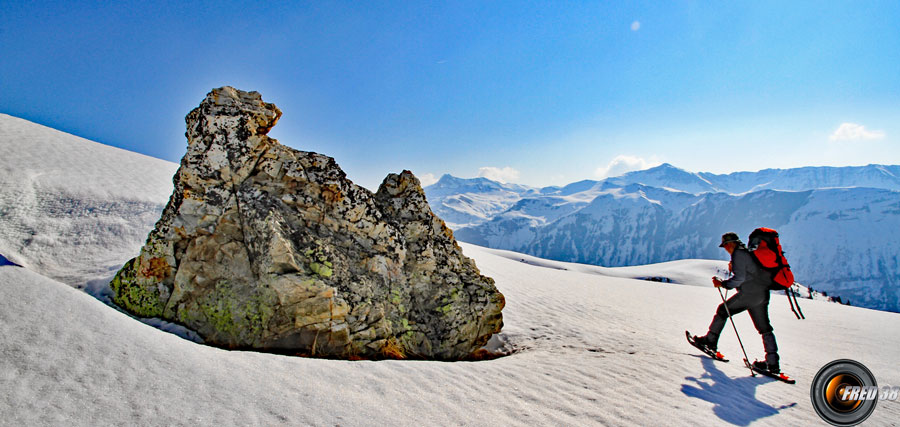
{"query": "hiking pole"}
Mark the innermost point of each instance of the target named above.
(787, 293)
(797, 303)
(746, 360)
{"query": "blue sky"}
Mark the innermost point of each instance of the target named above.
(539, 93)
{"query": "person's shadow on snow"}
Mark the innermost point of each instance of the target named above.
(735, 398)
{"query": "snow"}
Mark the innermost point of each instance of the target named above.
(73, 209)
(57, 160)
(694, 272)
(588, 349)
(587, 345)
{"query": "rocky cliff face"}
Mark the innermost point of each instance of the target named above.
(266, 247)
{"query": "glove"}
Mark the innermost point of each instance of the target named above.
(716, 282)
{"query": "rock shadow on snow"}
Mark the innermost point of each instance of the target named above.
(734, 398)
(4, 261)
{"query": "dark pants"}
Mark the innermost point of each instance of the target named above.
(757, 304)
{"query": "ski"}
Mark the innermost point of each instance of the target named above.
(713, 355)
(779, 376)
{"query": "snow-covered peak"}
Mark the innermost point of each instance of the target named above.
(449, 182)
(809, 178)
(573, 188)
(667, 176)
(470, 201)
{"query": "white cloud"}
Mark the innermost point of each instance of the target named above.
(636, 25)
(622, 164)
(854, 132)
(506, 174)
(427, 179)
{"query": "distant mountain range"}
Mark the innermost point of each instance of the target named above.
(839, 225)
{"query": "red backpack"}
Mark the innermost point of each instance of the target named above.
(766, 249)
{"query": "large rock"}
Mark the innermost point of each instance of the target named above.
(266, 247)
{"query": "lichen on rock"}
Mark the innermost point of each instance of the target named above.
(265, 247)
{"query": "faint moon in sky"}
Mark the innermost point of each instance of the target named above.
(635, 26)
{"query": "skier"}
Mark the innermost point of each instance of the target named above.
(752, 284)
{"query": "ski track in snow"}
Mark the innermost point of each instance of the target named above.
(589, 345)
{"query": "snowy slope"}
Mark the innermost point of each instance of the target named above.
(580, 337)
(587, 350)
(73, 209)
(693, 272)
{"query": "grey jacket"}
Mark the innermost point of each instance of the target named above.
(748, 275)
